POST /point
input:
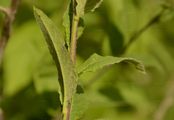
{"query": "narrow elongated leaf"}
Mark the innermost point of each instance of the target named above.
(67, 23)
(96, 62)
(56, 44)
(91, 5)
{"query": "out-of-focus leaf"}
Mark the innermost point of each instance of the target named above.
(31, 67)
(22, 53)
(45, 75)
(45, 4)
(38, 105)
(5, 2)
(156, 57)
(96, 62)
(56, 44)
(134, 96)
(168, 15)
(91, 5)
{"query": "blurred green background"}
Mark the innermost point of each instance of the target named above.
(28, 77)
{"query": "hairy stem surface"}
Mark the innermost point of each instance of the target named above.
(74, 38)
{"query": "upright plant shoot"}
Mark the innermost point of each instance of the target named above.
(63, 51)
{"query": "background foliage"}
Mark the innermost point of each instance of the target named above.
(28, 77)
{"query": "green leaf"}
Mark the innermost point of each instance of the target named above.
(21, 56)
(4, 3)
(84, 6)
(96, 62)
(67, 18)
(79, 104)
(80, 8)
(91, 5)
(67, 23)
(45, 75)
(56, 44)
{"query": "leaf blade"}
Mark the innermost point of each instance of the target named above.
(67, 17)
(56, 44)
(96, 62)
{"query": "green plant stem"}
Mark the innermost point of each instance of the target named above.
(67, 110)
(74, 29)
(67, 104)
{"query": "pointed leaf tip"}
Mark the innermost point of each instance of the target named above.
(56, 45)
(96, 62)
